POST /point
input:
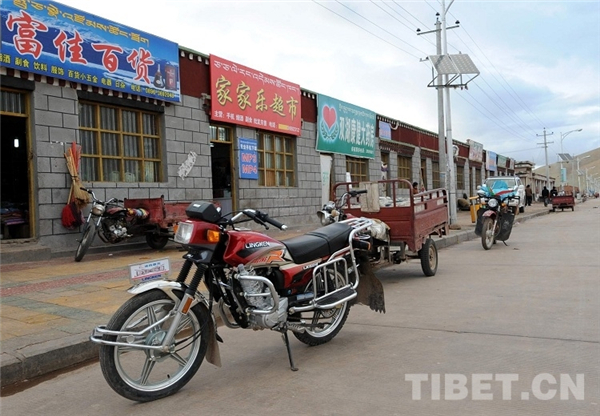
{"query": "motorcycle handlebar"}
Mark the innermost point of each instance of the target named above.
(355, 193)
(273, 222)
(262, 218)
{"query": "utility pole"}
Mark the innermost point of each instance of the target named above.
(545, 144)
(440, 102)
(450, 154)
(450, 70)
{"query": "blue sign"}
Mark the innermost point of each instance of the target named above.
(385, 130)
(248, 158)
(58, 41)
(490, 161)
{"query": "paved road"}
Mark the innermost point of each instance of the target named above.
(506, 331)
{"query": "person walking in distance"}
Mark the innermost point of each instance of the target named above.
(545, 195)
(528, 195)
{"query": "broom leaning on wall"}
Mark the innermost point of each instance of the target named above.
(71, 213)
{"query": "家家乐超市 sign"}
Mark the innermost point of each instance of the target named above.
(244, 96)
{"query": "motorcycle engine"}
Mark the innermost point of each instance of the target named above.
(252, 288)
(114, 229)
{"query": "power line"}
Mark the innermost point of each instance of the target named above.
(366, 30)
(379, 27)
(402, 23)
(514, 94)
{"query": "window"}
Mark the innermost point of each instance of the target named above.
(276, 160)
(12, 103)
(423, 178)
(220, 134)
(435, 172)
(358, 169)
(478, 180)
(460, 177)
(404, 170)
(119, 144)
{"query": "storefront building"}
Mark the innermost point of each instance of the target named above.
(151, 118)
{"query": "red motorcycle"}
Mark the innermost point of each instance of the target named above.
(155, 343)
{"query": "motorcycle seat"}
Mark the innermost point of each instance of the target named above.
(319, 243)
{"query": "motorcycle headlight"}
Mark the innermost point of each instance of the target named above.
(98, 209)
(184, 233)
(324, 217)
(493, 203)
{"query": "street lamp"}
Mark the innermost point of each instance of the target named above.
(562, 137)
(578, 176)
(587, 178)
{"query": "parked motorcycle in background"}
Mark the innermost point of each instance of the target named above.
(333, 211)
(116, 220)
(156, 341)
(496, 214)
(109, 220)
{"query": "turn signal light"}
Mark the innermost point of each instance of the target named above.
(213, 236)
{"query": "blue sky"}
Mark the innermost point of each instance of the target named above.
(539, 60)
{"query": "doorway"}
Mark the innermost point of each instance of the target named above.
(15, 192)
(222, 184)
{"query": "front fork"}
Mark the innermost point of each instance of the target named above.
(188, 297)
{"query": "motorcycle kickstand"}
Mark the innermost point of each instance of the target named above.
(286, 341)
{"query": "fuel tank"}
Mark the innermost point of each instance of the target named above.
(246, 247)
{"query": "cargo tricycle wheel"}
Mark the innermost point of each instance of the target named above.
(429, 257)
(156, 241)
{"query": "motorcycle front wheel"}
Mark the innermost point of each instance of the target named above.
(488, 233)
(323, 324)
(144, 375)
(89, 232)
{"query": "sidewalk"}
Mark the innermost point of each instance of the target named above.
(49, 308)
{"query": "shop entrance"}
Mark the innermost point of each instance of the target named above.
(222, 184)
(15, 192)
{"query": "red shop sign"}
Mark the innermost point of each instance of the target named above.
(241, 95)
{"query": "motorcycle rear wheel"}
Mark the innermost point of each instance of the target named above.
(488, 233)
(326, 323)
(146, 375)
(89, 232)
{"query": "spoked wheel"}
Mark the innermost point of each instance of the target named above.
(323, 324)
(488, 233)
(143, 374)
(89, 232)
(429, 258)
(156, 241)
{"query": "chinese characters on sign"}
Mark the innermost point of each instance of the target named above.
(385, 130)
(51, 39)
(475, 151)
(248, 159)
(490, 161)
(244, 96)
(345, 128)
(502, 161)
(152, 270)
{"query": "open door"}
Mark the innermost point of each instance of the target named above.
(222, 184)
(15, 192)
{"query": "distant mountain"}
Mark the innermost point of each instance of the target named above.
(589, 160)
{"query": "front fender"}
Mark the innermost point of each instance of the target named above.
(490, 213)
(213, 354)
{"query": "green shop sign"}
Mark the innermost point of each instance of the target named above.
(345, 128)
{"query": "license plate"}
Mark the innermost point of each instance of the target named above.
(148, 271)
